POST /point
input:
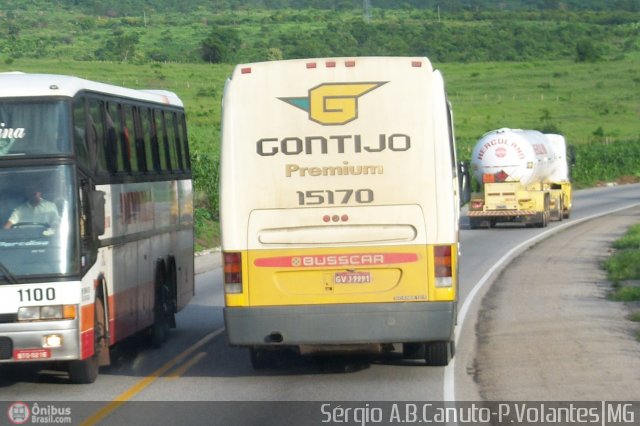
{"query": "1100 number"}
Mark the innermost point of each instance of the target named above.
(37, 294)
(339, 196)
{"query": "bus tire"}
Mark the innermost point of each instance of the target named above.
(262, 358)
(172, 272)
(413, 350)
(439, 353)
(161, 310)
(86, 371)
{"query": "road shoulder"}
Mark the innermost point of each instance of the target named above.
(545, 330)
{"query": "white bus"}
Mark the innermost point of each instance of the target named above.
(340, 204)
(96, 231)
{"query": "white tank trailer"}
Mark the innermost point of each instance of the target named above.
(525, 156)
(524, 176)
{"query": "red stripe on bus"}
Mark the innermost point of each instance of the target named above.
(86, 344)
(353, 259)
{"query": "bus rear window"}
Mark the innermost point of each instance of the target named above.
(34, 128)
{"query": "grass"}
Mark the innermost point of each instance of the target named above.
(545, 94)
(631, 240)
(591, 104)
(623, 265)
(626, 294)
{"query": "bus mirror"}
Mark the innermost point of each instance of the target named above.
(464, 182)
(97, 213)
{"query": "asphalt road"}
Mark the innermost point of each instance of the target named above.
(196, 364)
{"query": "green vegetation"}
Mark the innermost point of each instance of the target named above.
(571, 67)
(623, 269)
(624, 265)
(631, 240)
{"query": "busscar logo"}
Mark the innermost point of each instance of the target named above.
(333, 103)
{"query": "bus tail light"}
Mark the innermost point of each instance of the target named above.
(443, 266)
(232, 272)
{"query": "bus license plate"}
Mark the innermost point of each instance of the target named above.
(352, 277)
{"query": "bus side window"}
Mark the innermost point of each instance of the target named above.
(147, 131)
(80, 131)
(172, 142)
(95, 118)
(127, 134)
(174, 130)
(111, 140)
(167, 143)
(139, 138)
(182, 123)
(159, 149)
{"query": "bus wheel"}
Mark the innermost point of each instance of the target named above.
(413, 350)
(162, 311)
(262, 358)
(173, 291)
(439, 353)
(86, 370)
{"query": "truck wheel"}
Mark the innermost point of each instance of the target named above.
(556, 214)
(86, 371)
(474, 223)
(561, 209)
(439, 353)
(542, 220)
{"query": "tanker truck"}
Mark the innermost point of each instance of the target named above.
(524, 177)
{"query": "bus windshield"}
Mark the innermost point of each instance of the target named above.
(37, 228)
(34, 128)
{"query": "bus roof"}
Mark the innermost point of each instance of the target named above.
(19, 85)
(337, 63)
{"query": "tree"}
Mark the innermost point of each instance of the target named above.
(220, 45)
(586, 51)
(121, 47)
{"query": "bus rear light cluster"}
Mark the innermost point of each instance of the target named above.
(335, 218)
(232, 272)
(443, 266)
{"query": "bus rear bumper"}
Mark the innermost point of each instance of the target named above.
(340, 324)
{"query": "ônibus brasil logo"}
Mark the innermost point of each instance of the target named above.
(333, 103)
(18, 413)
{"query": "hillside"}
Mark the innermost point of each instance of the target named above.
(571, 67)
(197, 31)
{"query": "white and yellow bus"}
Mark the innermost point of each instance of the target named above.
(340, 203)
(96, 232)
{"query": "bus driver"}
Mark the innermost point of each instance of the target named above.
(36, 210)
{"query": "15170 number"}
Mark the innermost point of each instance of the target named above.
(338, 196)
